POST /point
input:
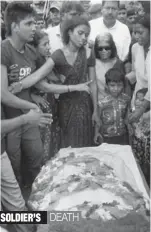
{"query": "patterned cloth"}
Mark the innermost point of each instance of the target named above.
(141, 147)
(113, 113)
(75, 108)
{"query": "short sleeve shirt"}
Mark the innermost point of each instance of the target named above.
(113, 113)
(26, 64)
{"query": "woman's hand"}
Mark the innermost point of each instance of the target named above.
(96, 119)
(135, 116)
(83, 87)
(98, 139)
(40, 101)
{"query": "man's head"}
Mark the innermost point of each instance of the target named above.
(19, 18)
(95, 11)
(110, 11)
(115, 81)
(55, 13)
(122, 13)
(70, 9)
(131, 15)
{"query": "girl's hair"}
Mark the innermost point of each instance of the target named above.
(143, 91)
(108, 37)
(39, 34)
(145, 21)
(16, 12)
(114, 75)
(71, 24)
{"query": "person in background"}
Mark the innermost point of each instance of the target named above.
(131, 15)
(122, 13)
(140, 135)
(68, 10)
(54, 14)
(40, 24)
(106, 58)
(11, 197)
(109, 23)
(113, 111)
(17, 53)
(141, 66)
(95, 11)
(140, 9)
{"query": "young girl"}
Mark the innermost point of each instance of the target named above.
(140, 136)
(113, 111)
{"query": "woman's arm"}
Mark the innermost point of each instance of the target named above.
(38, 75)
(8, 98)
(94, 92)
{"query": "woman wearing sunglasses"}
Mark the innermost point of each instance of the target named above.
(106, 58)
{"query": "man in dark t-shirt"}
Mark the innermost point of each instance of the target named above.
(16, 53)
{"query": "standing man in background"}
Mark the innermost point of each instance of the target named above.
(109, 23)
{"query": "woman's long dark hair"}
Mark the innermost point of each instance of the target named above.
(111, 44)
(71, 24)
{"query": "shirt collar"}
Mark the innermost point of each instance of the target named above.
(111, 28)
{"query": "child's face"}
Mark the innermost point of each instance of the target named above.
(139, 100)
(44, 46)
(115, 88)
(131, 19)
(122, 15)
(135, 33)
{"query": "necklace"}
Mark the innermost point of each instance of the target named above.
(12, 43)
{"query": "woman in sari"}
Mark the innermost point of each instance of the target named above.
(77, 108)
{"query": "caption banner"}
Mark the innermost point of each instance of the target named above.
(39, 217)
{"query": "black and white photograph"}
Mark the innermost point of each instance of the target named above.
(75, 116)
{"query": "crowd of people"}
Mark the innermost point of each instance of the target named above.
(75, 82)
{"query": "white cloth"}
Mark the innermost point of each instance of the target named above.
(101, 69)
(147, 73)
(119, 31)
(140, 69)
(55, 40)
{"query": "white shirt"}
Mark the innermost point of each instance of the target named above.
(119, 31)
(54, 35)
(140, 70)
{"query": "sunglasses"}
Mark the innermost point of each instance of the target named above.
(104, 48)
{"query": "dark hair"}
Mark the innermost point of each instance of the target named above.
(145, 21)
(39, 34)
(131, 12)
(122, 7)
(114, 75)
(73, 5)
(143, 91)
(112, 45)
(71, 24)
(16, 12)
(118, 2)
